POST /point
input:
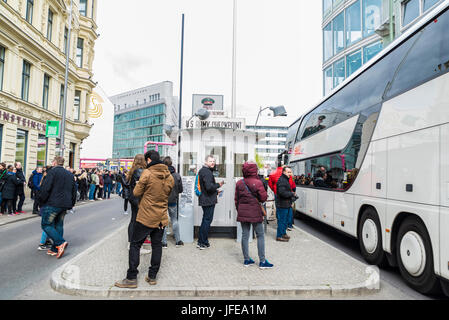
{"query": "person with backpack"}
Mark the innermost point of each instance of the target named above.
(173, 204)
(153, 189)
(20, 193)
(249, 196)
(37, 177)
(207, 189)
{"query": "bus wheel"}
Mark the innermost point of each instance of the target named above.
(415, 257)
(370, 238)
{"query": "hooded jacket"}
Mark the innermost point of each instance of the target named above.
(248, 207)
(37, 177)
(154, 187)
(9, 189)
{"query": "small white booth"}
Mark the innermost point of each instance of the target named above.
(231, 145)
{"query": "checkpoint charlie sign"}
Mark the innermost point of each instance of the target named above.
(217, 123)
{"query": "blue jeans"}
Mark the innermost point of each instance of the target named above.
(43, 238)
(53, 224)
(172, 212)
(91, 191)
(118, 188)
(258, 228)
(107, 190)
(282, 216)
(290, 219)
(208, 216)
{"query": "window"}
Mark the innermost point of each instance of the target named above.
(49, 24)
(353, 62)
(66, 34)
(429, 4)
(76, 105)
(26, 70)
(327, 7)
(93, 7)
(58, 147)
(239, 160)
(219, 154)
(371, 50)
(83, 7)
(339, 29)
(372, 13)
(189, 162)
(327, 39)
(336, 3)
(353, 24)
(29, 12)
(42, 143)
(79, 52)
(61, 99)
(21, 147)
(46, 91)
(427, 58)
(339, 72)
(2, 66)
(410, 11)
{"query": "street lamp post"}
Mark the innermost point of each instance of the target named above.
(66, 79)
(277, 112)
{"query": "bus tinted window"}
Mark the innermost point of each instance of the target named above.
(428, 58)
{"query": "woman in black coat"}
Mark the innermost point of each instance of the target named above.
(9, 191)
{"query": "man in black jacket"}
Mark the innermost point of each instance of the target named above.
(207, 200)
(57, 195)
(284, 200)
(20, 193)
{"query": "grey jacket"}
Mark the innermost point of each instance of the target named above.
(177, 189)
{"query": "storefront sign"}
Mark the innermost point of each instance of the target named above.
(236, 124)
(13, 118)
(52, 129)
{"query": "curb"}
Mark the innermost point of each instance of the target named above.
(65, 280)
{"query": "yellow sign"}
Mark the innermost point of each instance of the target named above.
(95, 109)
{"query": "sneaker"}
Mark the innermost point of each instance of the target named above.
(52, 253)
(289, 229)
(22, 212)
(145, 251)
(16, 213)
(150, 281)
(202, 247)
(285, 236)
(126, 212)
(126, 283)
(164, 245)
(207, 245)
(61, 249)
(281, 239)
(179, 244)
(42, 247)
(249, 262)
(265, 265)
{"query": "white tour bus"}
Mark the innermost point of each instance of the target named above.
(382, 137)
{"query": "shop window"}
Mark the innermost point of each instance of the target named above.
(42, 143)
(21, 147)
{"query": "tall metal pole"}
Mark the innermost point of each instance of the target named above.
(180, 96)
(64, 109)
(180, 105)
(234, 62)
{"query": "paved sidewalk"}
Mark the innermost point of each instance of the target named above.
(305, 267)
(28, 208)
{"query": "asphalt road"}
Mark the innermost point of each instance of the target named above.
(23, 266)
(391, 279)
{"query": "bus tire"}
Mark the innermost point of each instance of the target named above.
(415, 257)
(370, 238)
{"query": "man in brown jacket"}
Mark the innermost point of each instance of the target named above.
(153, 189)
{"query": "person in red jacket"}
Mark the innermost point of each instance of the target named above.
(272, 181)
(249, 194)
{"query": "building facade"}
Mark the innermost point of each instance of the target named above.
(33, 38)
(140, 116)
(354, 31)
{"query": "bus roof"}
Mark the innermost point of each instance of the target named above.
(424, 20)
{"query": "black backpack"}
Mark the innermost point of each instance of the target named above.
(30, 181)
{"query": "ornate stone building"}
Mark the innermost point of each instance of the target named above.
(33, 37)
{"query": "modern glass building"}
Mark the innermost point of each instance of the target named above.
(140, 116)
(354, 31)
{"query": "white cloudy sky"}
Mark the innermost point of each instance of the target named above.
(279, 50)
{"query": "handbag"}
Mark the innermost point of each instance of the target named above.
(264, 212)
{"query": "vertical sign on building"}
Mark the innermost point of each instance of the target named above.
(52, 129)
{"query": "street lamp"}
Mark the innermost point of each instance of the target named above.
(277, 112)
(202, 114)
